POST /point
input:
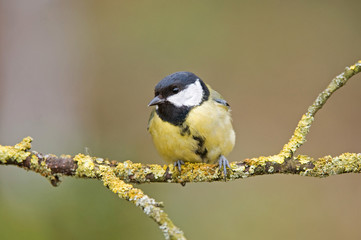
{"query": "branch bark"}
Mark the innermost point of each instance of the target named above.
(117, 175)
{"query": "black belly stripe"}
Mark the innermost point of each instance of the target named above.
(201, 150)
(185, 130)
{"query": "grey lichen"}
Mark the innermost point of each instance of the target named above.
(345, 163)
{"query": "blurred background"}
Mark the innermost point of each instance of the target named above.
(79, 74)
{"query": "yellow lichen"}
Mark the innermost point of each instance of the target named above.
(353, 67)
(303, 159)
(25, 144)
(327, 165)
(149, 205)
(238, 171)
(158, 171)
(85, 166)
(17, 153)
(34, 161)
(251, 169)
(262, 160)
(237, 168)
(118, 186)
(299, 136)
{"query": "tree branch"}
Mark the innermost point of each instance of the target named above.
(116, 175)
(82, 166)
(303, 127)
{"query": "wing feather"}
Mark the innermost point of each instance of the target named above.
(218, 98)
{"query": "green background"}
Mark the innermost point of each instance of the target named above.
(78, 75)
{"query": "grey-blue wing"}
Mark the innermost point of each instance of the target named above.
(221, 101)
(218, 98)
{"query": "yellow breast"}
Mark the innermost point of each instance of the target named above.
(206, 134)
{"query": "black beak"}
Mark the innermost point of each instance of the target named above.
(156, 100)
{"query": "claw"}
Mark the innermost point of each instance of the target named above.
(222, 161)
(179, 164)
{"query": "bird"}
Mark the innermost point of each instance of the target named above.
(191, 122)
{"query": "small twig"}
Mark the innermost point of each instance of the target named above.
(302, 129)
(149, 206)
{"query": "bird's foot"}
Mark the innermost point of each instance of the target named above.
(179, 164)
(223, 162)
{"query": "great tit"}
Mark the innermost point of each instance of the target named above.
(191, 122)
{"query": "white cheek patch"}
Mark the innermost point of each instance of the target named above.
(189, 97)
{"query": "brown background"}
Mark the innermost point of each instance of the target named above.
(79, 74)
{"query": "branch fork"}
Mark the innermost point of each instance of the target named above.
(117, 176)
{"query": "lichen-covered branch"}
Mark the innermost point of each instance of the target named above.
(149, 206)
(299, 135)
(117, 175)
(84, 166)
(52, 167)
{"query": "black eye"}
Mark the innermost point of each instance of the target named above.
(175, 90)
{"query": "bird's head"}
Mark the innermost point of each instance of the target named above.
(181, 90)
